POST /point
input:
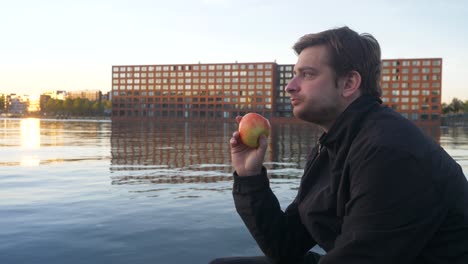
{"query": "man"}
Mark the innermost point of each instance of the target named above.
(375, 190)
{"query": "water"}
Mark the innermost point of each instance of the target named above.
(79, 191)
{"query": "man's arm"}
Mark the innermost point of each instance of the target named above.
(279, 234)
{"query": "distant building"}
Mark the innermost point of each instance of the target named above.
(34, 104)
(16, 105)
(283, 107)
(193, 91)
(106, 96)
(91, 95)
(57, 94)
(225, 90)
(413, 87)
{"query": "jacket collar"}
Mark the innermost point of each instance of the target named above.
(349, 122)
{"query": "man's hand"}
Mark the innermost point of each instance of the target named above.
(247, 161)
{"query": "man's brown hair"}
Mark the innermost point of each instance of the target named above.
(349, 51)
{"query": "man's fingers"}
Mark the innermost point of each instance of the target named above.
(263, 141)
(235, 139)
(263, 145)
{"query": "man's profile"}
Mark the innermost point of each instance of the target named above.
(375, 190)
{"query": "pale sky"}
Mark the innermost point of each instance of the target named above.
(72, 45)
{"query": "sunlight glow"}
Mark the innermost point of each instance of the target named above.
(30, 133)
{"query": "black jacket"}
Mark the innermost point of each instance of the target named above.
(375, 190)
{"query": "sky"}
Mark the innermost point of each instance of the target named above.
(72, 45)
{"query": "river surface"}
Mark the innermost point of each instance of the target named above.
(80, 191)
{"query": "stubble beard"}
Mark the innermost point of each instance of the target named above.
(320, 117)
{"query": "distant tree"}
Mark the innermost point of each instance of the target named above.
(2, 102)
(49, 106)
(68, 105)
(457, 105)
(446, 108)
(58, 106)
(86, 107)
(77, 106)
(107, 105)
(97, 108)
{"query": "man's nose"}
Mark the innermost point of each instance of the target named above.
(292, 85)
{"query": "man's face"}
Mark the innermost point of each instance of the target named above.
(314, 92)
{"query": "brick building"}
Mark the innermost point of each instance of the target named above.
(413, 87)
(225, 90)
(193, 91)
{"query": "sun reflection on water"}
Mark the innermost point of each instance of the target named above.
(30, 140)
(30, 133)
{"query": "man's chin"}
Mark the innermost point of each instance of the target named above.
(307, 117)
(299, 115)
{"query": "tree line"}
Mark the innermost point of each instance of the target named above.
(457, 106)
(85, 107)
(76, 107)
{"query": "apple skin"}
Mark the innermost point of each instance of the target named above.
(251, 127)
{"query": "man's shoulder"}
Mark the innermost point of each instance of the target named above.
(389, 130)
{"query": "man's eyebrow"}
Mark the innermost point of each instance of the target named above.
(304, 68)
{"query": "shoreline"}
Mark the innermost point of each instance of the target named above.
(83, 118)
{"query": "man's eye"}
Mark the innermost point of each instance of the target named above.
(307, 74)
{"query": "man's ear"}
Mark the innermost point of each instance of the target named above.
(352, 84)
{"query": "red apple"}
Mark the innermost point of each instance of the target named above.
(251, 127)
